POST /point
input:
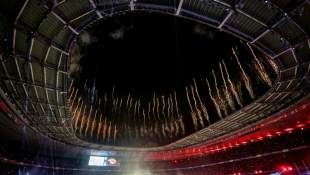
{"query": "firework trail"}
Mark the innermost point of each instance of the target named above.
(78, 116)
(115, 109)
(99, 104)
(198, 112)
(193, 114)
(76, 109)
(113, 104)
(139, 110)
(120, 106)
(71, 94)
(272, 64)
(134, 114)
(217, 107)
(109, 130)
(113, 92)
(158, 109)
(104, 129)
(154, 106)
(227, 93)
(85, 86)
(239, 88)
(182, 126)
(232, 86)
(222, 102)
(127, 101)
(245, 77)
(202, 106)
(105, 102)
(144, 122)
(176, 104)
(93, 125)
(72, 102)
(262, 73)
(163, 129)
(176, 128)
(99, 127)
(83, 121)
(163, 110)
(156, 128)
(171, 102)
(96, 96)
(115, 133)
(137, 132)
(71, 85)
(148, 113)
(88, 122)
(129, 106)
(168, 102)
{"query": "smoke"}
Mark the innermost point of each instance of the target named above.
(119, 33)
(78, 51)
(203, 30)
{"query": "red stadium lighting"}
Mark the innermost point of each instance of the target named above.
(284, 169)
(238, 173)
(260, 171)
(255, 172)
(290, 168)
(175, 161)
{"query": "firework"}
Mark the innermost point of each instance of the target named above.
(227, 93)
(127, 101)
(193, 114)
(109, 130)
(158, 109)
(88, 123)
(104, 129)
(217, 107)
(245, 77)
(176, 128)
(83, 122)
(115, 133)
(77, 117)
(163, 129)
(71, 104)
(232, 86)
(93, 125)
(182, 126)
(71, 85)
(221, 101)
(129, 106)
(99, 127)
(176, 104)
(273, 65)
(71, 94)
(76, 109)
(262, 71)
(120, 106)
(198, 112)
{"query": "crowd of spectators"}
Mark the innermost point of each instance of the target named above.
(205, 161)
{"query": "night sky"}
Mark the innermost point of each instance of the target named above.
(145, 53)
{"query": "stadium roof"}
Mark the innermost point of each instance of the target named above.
(41, 34)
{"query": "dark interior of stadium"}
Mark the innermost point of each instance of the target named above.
(145, 87)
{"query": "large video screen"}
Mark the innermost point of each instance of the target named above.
(103, 161)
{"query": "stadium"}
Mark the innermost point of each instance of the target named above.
(154, 87)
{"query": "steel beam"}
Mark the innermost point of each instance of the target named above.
(71, 21)
(41, 64)
(95, 8)
(279, 54)
(225, 19)
(34, 85)
(260, 36)
(251, 17)
(179, 7)
(65, 23)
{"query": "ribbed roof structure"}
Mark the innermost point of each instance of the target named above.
(38, 34)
